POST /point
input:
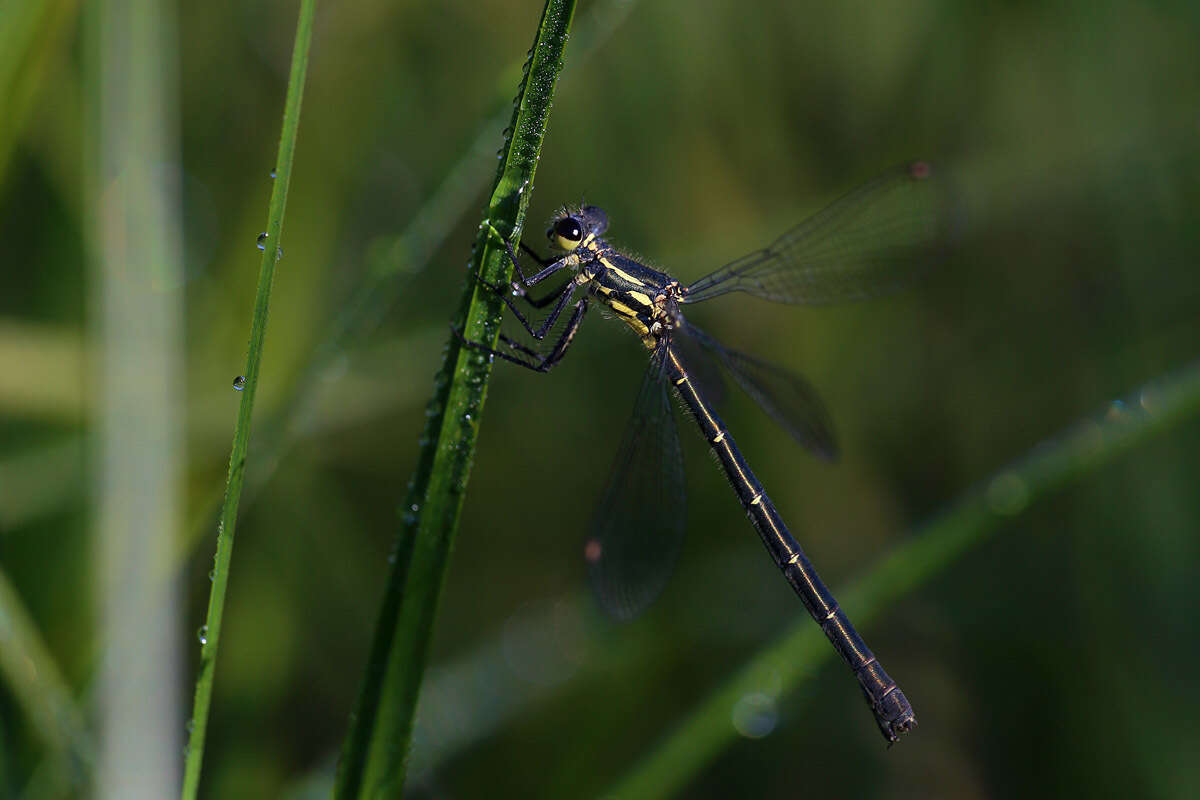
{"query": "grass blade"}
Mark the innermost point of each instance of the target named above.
(34, 681)
(1074, 454)
(32, 35)
(373, 759)
(210, 638)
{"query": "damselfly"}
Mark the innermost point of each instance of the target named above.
(870, 241)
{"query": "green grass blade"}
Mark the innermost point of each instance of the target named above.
(33, 679)
(32, 35)
(1074, 454)
(373, 759)
(241, 437)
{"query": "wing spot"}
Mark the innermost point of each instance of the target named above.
(720, 437)
(757, 499)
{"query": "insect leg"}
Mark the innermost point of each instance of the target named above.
(538, 362)
(562, 295)
(543, 260)
(550, 265)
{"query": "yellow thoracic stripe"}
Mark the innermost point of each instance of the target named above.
(641, 298)
(622, 274)
(621, 308)
(638, 326)
(629, 316)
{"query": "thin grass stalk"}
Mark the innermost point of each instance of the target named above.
(33, 678)
(374, 757)
(210, 633)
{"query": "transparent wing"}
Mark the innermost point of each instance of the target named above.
(638, 528)
(789, 399)
(872, 241)
(701, 364)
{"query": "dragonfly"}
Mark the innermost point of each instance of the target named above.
(873, 240)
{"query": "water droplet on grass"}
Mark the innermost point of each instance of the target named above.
(754, 715)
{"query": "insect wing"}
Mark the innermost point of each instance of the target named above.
(789, 399)
(638, 528)
(876, 239)
(701, 364)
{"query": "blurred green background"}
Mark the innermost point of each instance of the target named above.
(1057, 658)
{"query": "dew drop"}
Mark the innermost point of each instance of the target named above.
(274, 174)
(239, 382)
(202, 634)
(755, 715)
(262, 237)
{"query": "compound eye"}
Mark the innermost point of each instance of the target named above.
(567, 233)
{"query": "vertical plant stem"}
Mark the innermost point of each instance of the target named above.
(373, 758)
(136, 246)
(210, 635)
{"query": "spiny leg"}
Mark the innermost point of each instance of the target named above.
(568, 335)
(562, 295)
(513, 344)
(545, 261)
(538, 362)
(549, 265)
(544, 300)
(517, 291)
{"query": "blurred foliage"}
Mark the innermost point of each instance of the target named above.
(1055, 659)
